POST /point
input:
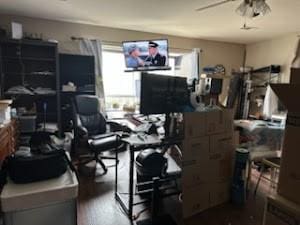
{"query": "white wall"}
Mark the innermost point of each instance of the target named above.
(279, 51)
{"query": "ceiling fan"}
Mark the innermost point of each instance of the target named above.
(248, 8)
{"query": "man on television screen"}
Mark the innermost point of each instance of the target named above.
(134, 60)
(155, 58)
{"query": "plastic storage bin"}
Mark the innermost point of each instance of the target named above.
(27, 124)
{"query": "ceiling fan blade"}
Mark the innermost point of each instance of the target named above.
(214, 5)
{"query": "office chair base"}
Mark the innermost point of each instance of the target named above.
(161, 220)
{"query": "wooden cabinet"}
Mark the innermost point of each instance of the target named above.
(8, 139)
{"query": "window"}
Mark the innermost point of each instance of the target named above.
(121, 88)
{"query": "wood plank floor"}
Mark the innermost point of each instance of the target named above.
(97, 205)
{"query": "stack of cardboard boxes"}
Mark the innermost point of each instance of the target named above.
(207, 158)
(284, 208)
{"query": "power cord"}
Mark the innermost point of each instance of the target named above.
(138, 214)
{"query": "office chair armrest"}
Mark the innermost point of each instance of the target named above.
(114, 126)
(82, 131)
(100, 136)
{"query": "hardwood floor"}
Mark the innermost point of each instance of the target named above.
(97, 205)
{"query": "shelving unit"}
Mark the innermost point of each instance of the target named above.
(80, 70)
(258, 82)
(32, 64)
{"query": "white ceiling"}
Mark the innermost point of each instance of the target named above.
(175, 17)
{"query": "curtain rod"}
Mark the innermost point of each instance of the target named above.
(73, 38)
(103, 41)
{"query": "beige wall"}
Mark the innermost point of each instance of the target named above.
(279, 51)
(230, 55)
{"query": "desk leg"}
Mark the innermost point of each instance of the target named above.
(116, 170)
(131, 175)
(248, 179)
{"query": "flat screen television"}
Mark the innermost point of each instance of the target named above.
(146, 55)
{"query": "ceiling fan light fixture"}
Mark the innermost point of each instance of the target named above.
(241, 10)
(261, 7)
(245, 10)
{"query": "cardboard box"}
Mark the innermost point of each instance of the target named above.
(221, 143)
(289, 178)
(195, 200)
(214, 122)
(195, 175)
(198, 124)
(280, 211)
(295, 76)
(196, 149)
(221, 169)
(228, 117)
(208, 170)
(219, 193)
(194, 124)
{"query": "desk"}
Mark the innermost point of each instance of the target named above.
(135, 144)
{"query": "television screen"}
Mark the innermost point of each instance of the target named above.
(143, 55)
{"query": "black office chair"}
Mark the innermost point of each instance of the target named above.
(90, 131)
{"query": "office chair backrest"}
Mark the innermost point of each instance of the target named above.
(88, 110)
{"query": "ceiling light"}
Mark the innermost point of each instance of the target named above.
(261, 7)
(253, 8)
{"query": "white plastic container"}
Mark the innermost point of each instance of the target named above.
(41, 203)
(27, 124)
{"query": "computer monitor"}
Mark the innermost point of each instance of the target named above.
(162, 94)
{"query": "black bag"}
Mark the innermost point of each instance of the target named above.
(44, 161)
(37, 167)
